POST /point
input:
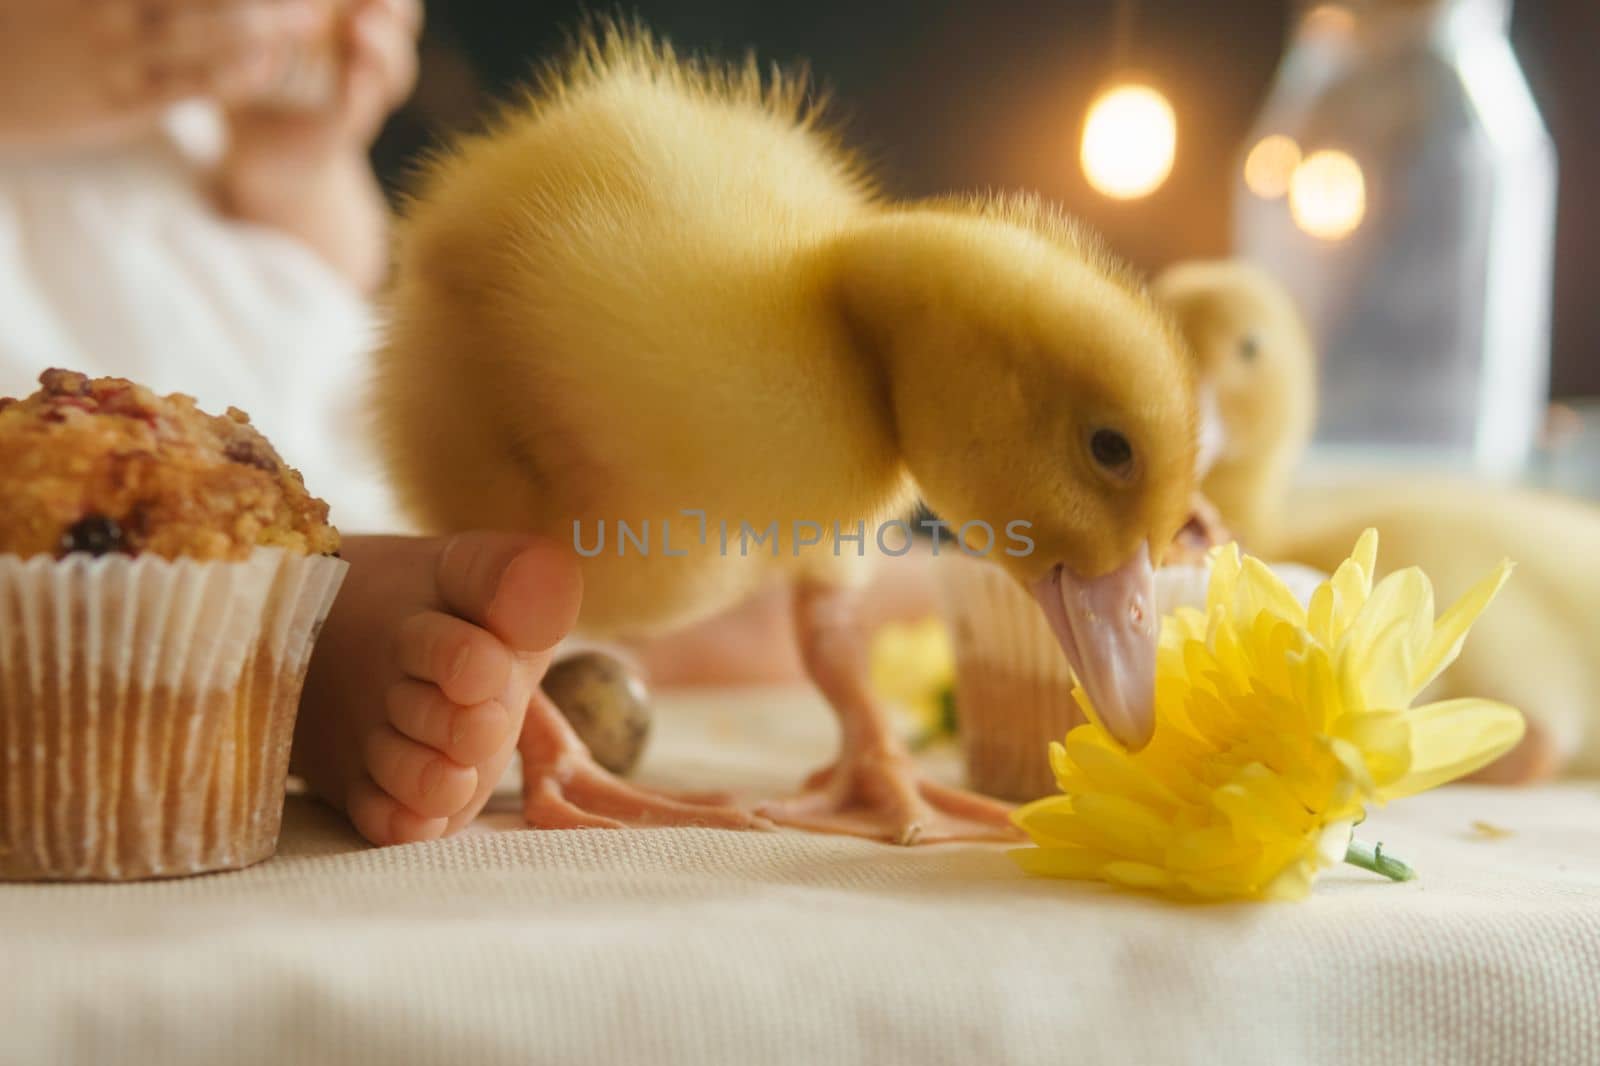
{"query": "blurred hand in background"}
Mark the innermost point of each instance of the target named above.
(86, 71)
(303, 168)
(101, 71)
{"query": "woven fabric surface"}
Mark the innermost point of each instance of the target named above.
(699, 946)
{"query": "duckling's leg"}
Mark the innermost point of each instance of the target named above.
(564, 788)
(874, 789)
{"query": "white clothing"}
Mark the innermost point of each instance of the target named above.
(113, 261)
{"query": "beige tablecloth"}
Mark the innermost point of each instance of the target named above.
(693, 946)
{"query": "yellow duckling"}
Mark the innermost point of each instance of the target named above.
(1258, 386)
(657, 293)
(1536, 650)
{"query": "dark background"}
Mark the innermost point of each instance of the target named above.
(968, 94)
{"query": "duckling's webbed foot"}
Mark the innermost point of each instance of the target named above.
(564, 788)
(881, 796)
(874, 790)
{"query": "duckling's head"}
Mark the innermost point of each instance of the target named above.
(1043, 405)
(1257, 373)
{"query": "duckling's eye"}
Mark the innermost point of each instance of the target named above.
(1249, 347)
(1112, 451)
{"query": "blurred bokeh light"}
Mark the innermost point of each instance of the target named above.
(1270, 166)
(1130, 139)
(1328, 195)
(1330, 20)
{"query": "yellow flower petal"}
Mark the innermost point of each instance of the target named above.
(1376, 670)
(1365, 556)
(1358, 775)
(1263, 590)
(1136, 874)
(1259, 803)
(1351, 584)
(912, 666)
(1292, 885)
(1184, 624)
(1384, 741)
(1110, 770)
(1450, 631)
(1074, 864)
(1095, 822)
(1452, 738)
(1204, 849)
(1225, 568)
(1389, 633)
(1038, 818)
(1320, 615)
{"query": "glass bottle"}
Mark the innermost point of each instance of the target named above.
(1401, 183)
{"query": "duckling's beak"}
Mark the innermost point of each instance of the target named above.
(1107, 627)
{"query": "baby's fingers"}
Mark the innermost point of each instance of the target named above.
(408, 13)
(383, 64)
(383, 38)
(174, 49)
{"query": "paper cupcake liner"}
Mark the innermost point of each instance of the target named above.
(1013, 685)
(245, 809)
(146, 707)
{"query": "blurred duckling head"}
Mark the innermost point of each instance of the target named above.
(1046, 411)
(1257, 372)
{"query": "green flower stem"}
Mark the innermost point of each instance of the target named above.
(1371, 857)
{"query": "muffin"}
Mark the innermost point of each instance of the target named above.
(163, 574)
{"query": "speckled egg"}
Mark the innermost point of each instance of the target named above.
(607, 704)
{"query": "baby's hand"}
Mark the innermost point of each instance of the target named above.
(305, 172)
(378, 68)
(72, 72)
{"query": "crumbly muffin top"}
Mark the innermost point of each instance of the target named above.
(105, 465)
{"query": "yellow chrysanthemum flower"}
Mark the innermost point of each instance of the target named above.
(1276, 725)
(913, 668)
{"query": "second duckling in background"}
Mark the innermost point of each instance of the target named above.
(1538, 649)
(1258, 387)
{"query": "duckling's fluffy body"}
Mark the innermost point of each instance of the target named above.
(566, 347)
(656, 286)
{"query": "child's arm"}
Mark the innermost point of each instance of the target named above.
(87, 72)
(306, 173)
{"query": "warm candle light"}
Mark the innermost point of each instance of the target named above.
(1328, 195)
(1129, 141)
(1269, 167)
